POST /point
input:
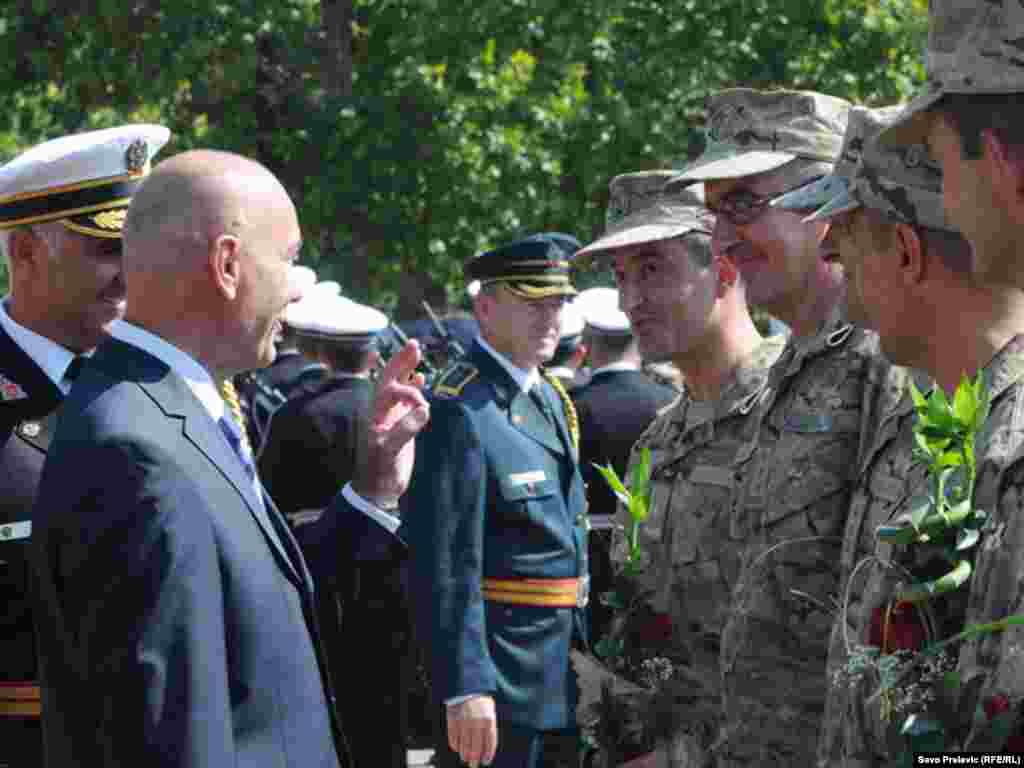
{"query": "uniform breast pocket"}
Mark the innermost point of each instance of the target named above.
(527, 494)
(700, 512)
(811, 467)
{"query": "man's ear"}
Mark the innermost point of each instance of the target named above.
(25, 249)
(728, 274)
(912, 266)
(1004, 166)
(580, 355)
(226, 265)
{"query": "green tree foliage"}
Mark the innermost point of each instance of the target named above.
(413, 133)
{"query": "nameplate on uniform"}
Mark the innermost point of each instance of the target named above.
(15, 531)
(454, 380)
(707, 474)
(522, 478)
(809, 422)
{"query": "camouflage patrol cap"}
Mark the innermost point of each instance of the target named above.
(640, 211)
(751, 132)
(903, 183)
(834, 191)
(973, 48)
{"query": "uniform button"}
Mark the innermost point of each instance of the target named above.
(30, 429)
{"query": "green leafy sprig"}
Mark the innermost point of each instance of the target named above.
(636, 499)
(661, 694)
(945, 436)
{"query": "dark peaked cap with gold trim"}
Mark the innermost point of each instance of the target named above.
(532, 268)
(85, 181)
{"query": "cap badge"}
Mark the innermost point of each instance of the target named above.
(855, 150)
(10, 390)
(616, 213)
(112, 219)
(136, 156)
(31, 429)
(726, 122)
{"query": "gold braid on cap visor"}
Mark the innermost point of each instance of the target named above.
(68, 201)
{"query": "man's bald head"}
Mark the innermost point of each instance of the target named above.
(209, 241)
(192, 199)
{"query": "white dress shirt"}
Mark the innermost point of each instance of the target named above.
(46, 353)
(524, 379)
(201, 383)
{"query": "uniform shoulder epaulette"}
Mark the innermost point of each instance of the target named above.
(454, 379)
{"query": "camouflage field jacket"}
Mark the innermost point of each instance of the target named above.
(825, 398)
(692, 556)
(854, 733)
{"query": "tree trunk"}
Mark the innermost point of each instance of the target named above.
(336, 17)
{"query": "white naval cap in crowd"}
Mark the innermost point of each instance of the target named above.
(327, 288)
(571, 323)
(302, 277)
(601, 313)
(85, 180)
(327, 316)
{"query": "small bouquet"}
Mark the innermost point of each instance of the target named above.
(917, 695)
(636, 694)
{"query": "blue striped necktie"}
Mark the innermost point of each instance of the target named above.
(234, 438)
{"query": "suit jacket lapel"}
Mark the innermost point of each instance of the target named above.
(288, 541)
(202, 432)
(172, 394)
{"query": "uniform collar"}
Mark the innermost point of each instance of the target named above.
(187, 367)
(51, 357)
(740, 393)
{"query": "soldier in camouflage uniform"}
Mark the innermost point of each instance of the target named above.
(970, 116)
(803, 442)
(905, 265)
(688, 307)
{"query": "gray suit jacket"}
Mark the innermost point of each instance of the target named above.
(178, 621)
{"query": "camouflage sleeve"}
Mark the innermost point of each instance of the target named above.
(885, 479)
(997, 586)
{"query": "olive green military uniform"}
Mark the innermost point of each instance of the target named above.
(890, 480)
(996, 584)
(806, 441)
(797, 467)
(904, 185)
(694, 554)
(854, 733)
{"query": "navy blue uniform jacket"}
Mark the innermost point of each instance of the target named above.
(496, 493)
(177, 625)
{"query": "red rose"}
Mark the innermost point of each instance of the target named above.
(1014, 744)
(656, 630)
(996, 705)
(903, 631)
